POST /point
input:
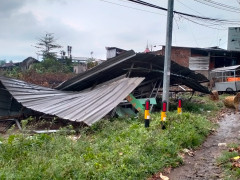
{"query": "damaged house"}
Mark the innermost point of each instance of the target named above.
(89, 96)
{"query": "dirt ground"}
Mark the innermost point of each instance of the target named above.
(202, 165)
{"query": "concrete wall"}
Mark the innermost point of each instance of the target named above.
(80, 68)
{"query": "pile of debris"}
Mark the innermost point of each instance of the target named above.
(233, 102)
(89, 96)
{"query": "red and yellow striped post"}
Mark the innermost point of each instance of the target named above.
(164, 110)
(146, 113)
(163, 114)
(179, 109)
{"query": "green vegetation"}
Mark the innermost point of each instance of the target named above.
(199, 105)
(91, 62)
(121, 149)
(49, 73)
(2, 62)
(52, 65)
(47, 67)
(230, 166)
(110, 149)
(13, 73)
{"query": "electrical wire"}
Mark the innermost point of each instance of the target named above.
(200, 20)
(219, 6)
(132, 7)
(185, 14)
(201, 24)
(222, 5)
(208, 26)
(189, 7)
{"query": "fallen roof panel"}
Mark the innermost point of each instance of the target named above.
(145, 65)
(87, 106)
(97, 72)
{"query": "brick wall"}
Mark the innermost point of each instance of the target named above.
(179, 55)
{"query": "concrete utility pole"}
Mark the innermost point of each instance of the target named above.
(167, 58)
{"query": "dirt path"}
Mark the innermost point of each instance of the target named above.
(203, 164)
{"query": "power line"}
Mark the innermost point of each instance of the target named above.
(205, 21)
(219, 6)
(201, 24)
(185, 14)
(188, 7)
(132, 7)
(181, 13)
(190, 20)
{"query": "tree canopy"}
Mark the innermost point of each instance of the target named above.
(2, 62)
(46, 46)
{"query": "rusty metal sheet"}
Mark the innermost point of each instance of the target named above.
(87, 106)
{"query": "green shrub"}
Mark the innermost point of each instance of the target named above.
(51, 65)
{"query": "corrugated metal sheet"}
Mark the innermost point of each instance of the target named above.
(228, 68)
(8, 105)
(146, 65)
(96, 72)
(88, 106)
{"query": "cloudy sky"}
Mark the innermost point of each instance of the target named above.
(92, 25)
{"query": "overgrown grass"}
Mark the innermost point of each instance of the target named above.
(110, 149)
(231, 173)
(199, 105)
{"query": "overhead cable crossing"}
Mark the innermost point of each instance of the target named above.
(186, 14)
(217, 5)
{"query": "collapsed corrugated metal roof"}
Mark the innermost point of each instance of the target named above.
(146, 65)
(87, 106)
(101, 88)
(9, 107)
